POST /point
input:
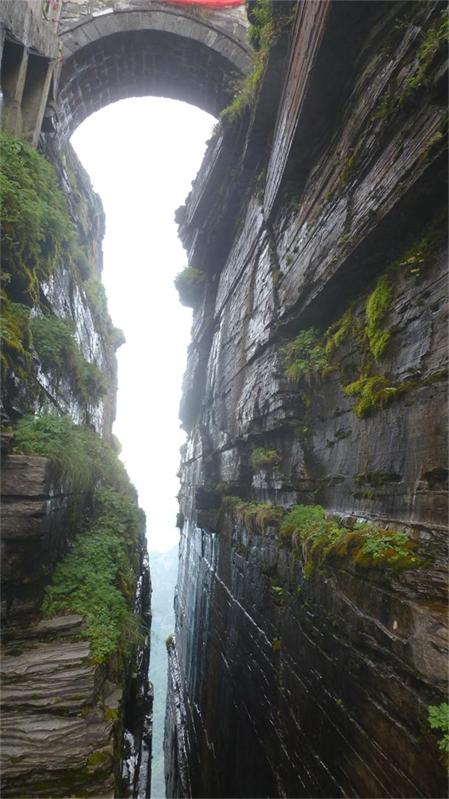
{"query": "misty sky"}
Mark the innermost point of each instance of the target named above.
(142, 155)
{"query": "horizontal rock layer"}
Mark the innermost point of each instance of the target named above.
(68, 725)
(330, 189)
(286, 686)
(55, 736)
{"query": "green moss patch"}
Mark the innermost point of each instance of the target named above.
(377, 307)
(79, 456)
(15, 337)
(371, 392)
(37, 232)
(322, 539)
(60, 356)
(256, 516)
(434, 43)
(265, 459)
(97, 578)
(339, 331)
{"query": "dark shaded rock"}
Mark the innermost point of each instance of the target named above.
(39, 520)
(285, 683)
(325, 683)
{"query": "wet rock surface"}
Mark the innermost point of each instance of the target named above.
(284, 683)
(38, 523)
(76, 297)
(69, 726)
(320, 688)
(54, 736)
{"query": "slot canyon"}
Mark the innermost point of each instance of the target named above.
(309, 656)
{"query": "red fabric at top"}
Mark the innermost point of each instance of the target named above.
(207, 3)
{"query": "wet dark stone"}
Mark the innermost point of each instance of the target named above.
(283, 683)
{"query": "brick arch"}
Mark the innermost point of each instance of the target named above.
(164, 52)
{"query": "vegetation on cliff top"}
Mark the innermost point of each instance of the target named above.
(189, 284)
(322, 538)
(97, 577)
(80, 457)
(319, 538)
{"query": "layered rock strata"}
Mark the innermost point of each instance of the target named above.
(76, 717)
(321, 211)
(73, 295)
(69, 724)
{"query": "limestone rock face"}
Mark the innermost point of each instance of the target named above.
(53, 733)
(75, 296)
(61, 713)
(321, 203)
(69, 726)
(38, 522)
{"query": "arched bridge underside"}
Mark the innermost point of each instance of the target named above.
(164, 51)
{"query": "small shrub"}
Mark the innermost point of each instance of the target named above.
(304, 355)
(265, 459)
(439, 720)
(117, 337)
(170, 641)
(255, 516)
(189, 283)
(180, 520)
(385, 546)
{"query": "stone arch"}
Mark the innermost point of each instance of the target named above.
(165, 51)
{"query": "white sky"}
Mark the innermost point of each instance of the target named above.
(142, 155)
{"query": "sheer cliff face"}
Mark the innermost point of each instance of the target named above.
(321, 211)
(75, 695)
(81, 384)
(70, 725)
